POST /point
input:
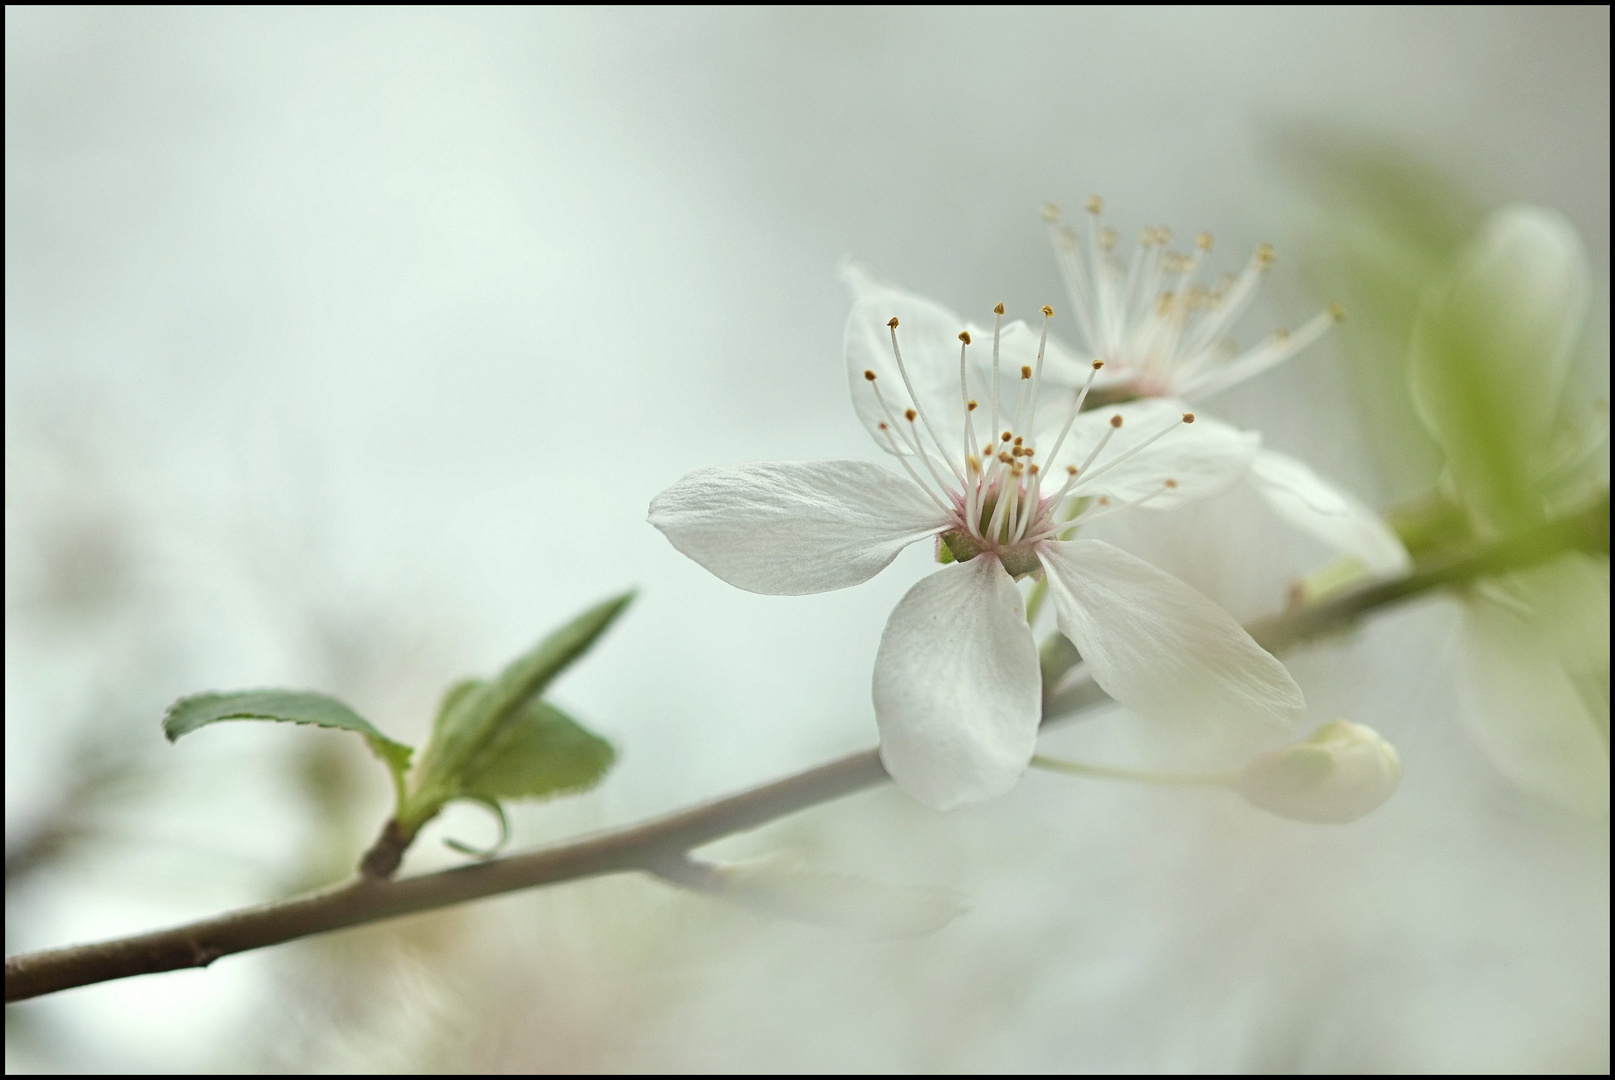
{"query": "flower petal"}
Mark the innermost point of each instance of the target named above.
(1204, 458)
(1317, 507)
(793, 527)
(1162, 649)
(957, 691)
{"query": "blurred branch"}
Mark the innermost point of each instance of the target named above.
(650, 845)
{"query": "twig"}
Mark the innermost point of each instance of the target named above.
(650, 844)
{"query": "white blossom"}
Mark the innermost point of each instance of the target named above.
(1162, 332)
(1001, 466)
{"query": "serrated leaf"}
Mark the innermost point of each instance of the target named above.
(538, 752)
(283, 706)
(474, 714)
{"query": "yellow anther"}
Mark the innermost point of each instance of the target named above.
(870, 375)
(964, 336)
(1203, 241)
(1281, 335)
(1264, 256)
(1019, 439)
(1336, 312)
(1051, 212)
(1026, 372)
(1116, 421)
(1104, 500)
(1006, 459)
(1171, 483)
(1033, 468)
(998, 310)
(1048, 312)
(970, 406)
(1097, 364)
(1188, 418)
(1108, 238)
(1095, 204)
(910, 415)
(893, 323)
(1071, 470)
(972, 463)
(1006, 436)
(883, 426)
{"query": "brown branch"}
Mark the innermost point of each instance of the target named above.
(652, 843)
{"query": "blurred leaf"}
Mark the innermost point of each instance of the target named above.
(475, 714)
(538, 752)
(1536, 678)
(283, 706)
(1491, 350)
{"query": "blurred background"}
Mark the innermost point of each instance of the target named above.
(345, 350)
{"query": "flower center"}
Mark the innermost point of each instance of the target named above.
(994, 491)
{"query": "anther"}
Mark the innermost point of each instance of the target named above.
(1006, 436)
(870, 375)
(1171, 483)
(1188, 418)
(1006, 459)
(1203, 241)
(970, 406)
(964, 336)
(1070, 470)
(1097, 364)
(883, 426)
(1264, 255)
(1026, 373)
(1032, 468)
(1108, 238)
(999, 310)
(1336, 312)
(1048, 312)
(893, 323)
(909, 415)
(1051, 213)
(1116, 421)
(1019, 439)
(1095, 204)
(1281, 335)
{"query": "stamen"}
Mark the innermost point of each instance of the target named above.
(902, 370)
(913, 475)
(1187, 418)
(998, 321)
(913, 440)
(1037, 383)
(1076, 406)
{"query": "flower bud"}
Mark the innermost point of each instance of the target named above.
(1341, 773)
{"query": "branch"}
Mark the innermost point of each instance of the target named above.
(650, 844)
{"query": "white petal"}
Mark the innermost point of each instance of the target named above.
(928, 335)
(1536, 681)
(1162, 649)
(787, 528)
(957, 691)
(1317, 507)
(1204, 458)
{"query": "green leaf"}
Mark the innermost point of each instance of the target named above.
(475, 714)
(537, 753)
(284, 706)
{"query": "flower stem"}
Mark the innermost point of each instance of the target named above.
(1105, 772)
